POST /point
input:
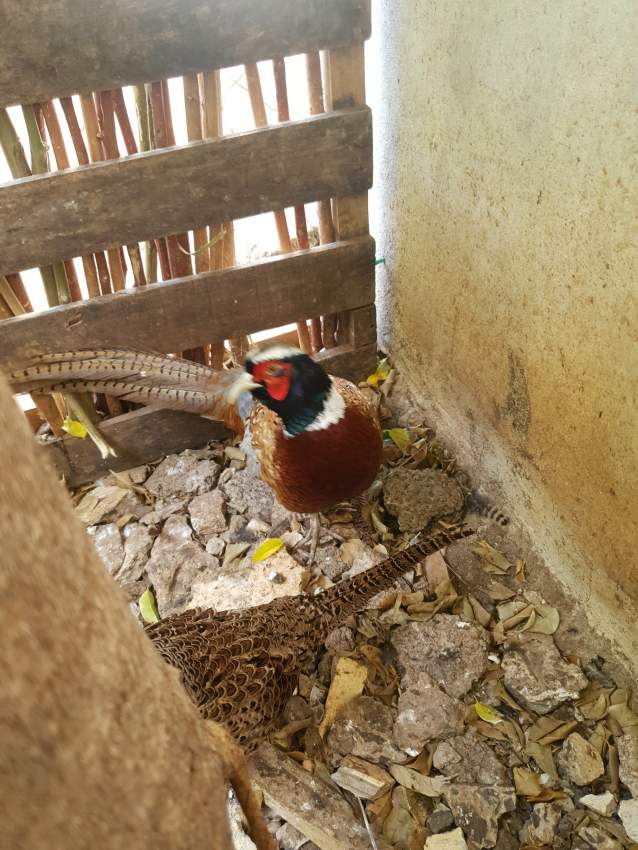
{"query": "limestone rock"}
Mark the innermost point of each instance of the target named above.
(468, 759)
(450, 650)
(579, 761)
(628, 755)
(362, 778)
(290, 838)
(425, 712)
(628, 814)
(177, 562)
(602, 804)
(419, 497)
(454, 840)
(440, 820)
(537, 675)
(597, 837)
(364, 728)
(184, 475)
(239, 586)
(215, 546)
(137, 546)
(542, 825)
(207, 514)
(247, 494)
(477, 809)
(107, 540)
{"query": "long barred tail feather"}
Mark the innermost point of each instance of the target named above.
(151, 379)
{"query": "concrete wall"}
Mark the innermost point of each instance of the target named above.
(506, 206)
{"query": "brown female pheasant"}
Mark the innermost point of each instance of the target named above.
(316, 437)
(241, 667)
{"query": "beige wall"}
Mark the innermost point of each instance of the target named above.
(506, 206)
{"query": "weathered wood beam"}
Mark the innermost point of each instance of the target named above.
(82, 210)
(63, 47)
(183, 314)
(146, 435)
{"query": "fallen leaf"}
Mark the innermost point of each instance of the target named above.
(399, 436)
(548, 730)
(348, 683)
(429, 786)
(349, 550)
(379, 376)
(620, 711)
(492, 561)
(99, 502)
(480, 613)
(148, 607)
(487, 713)
(74, 428)
(500, 592)
(269, 547)
(542, 755)
(519, 571)
(546, 621)
(527, 783)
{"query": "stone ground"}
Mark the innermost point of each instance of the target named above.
(466, 711)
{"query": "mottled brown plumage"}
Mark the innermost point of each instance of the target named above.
(241, 667)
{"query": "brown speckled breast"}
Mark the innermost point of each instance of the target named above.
(313, 471)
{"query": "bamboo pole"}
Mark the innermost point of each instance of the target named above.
(153, 249)
(285, 245)
(283, 114)
(100, 284)
(324, 208)
(19, 290)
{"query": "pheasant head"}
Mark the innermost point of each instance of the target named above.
(294, 386)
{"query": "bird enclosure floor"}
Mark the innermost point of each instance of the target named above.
(465, 708)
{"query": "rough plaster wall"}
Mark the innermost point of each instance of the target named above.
(506, 206)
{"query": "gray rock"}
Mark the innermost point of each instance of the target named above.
(578, 761)
(364, 728)
(477, 809)
(238, 531)
(425, 712)
(207, 513)
(440, 820)
(628, 755)
(246, 494)
(107, 540)
(542, 825)
(137, 547)
(598, 838)
(290, 838)
(363, 560)
(130, 505)
(420, 497)
(537, 675)
(328, 561)
(183, 475)
(450, 650)
(176, 565)
(602, 804)
(137, 474)
(628, 814)
(215, 546)
(468, 759)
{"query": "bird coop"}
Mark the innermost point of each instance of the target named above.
(130, 183)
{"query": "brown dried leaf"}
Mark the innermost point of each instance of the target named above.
(519, 573)
(548, 730)
(348, 683)
(480, 613)
(429, 786)
(499, 592)
(546, 621)
(527, 783)
(543, 757)
(492, 561)
(620, 711)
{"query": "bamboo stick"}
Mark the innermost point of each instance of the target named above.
(13, 305)
(285, 245)
(324, 208)
(153, 249)
(301, 227)
(5, 312)
(19, 290)
(193, 106)
(62, 160)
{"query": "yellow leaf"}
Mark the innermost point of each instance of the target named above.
(381, 374)
(74, 428)
(267, 548)
(487, 713)
(400, 437)
(348, 683)
(148, 607)
(528, 784)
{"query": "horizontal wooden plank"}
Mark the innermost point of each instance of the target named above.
(138, 437)
(182, 314)
(60, 47)
(78, 211)
(146, 435)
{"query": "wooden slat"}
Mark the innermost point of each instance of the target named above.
(63, 47)
(85, 209)
(138, 437)
(146, 435)
(183, 314)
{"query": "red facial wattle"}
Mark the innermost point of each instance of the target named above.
(275, 376)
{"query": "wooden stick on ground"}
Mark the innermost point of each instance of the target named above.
(285, 245)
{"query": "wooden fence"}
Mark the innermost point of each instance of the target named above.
(157, 192)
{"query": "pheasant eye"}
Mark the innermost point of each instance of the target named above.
(274, 371)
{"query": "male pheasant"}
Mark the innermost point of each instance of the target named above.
(241, 667)
(316, 436)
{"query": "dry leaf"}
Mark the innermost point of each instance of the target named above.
(99, 502)
(348, 683)
(379, 376)
(546, 621)
(480, 613)
(266, 549)
(527, 783)
(620, 711)
(519, 571)
(499, 592)
(548, 730)
(492, 561)
(487, 713)
(543, 757)
(349, 550)
(148, 607)
(429, 786)
(399, 436)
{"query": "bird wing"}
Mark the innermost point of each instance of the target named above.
(138, 376)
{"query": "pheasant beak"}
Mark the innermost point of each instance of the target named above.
(243, 384)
